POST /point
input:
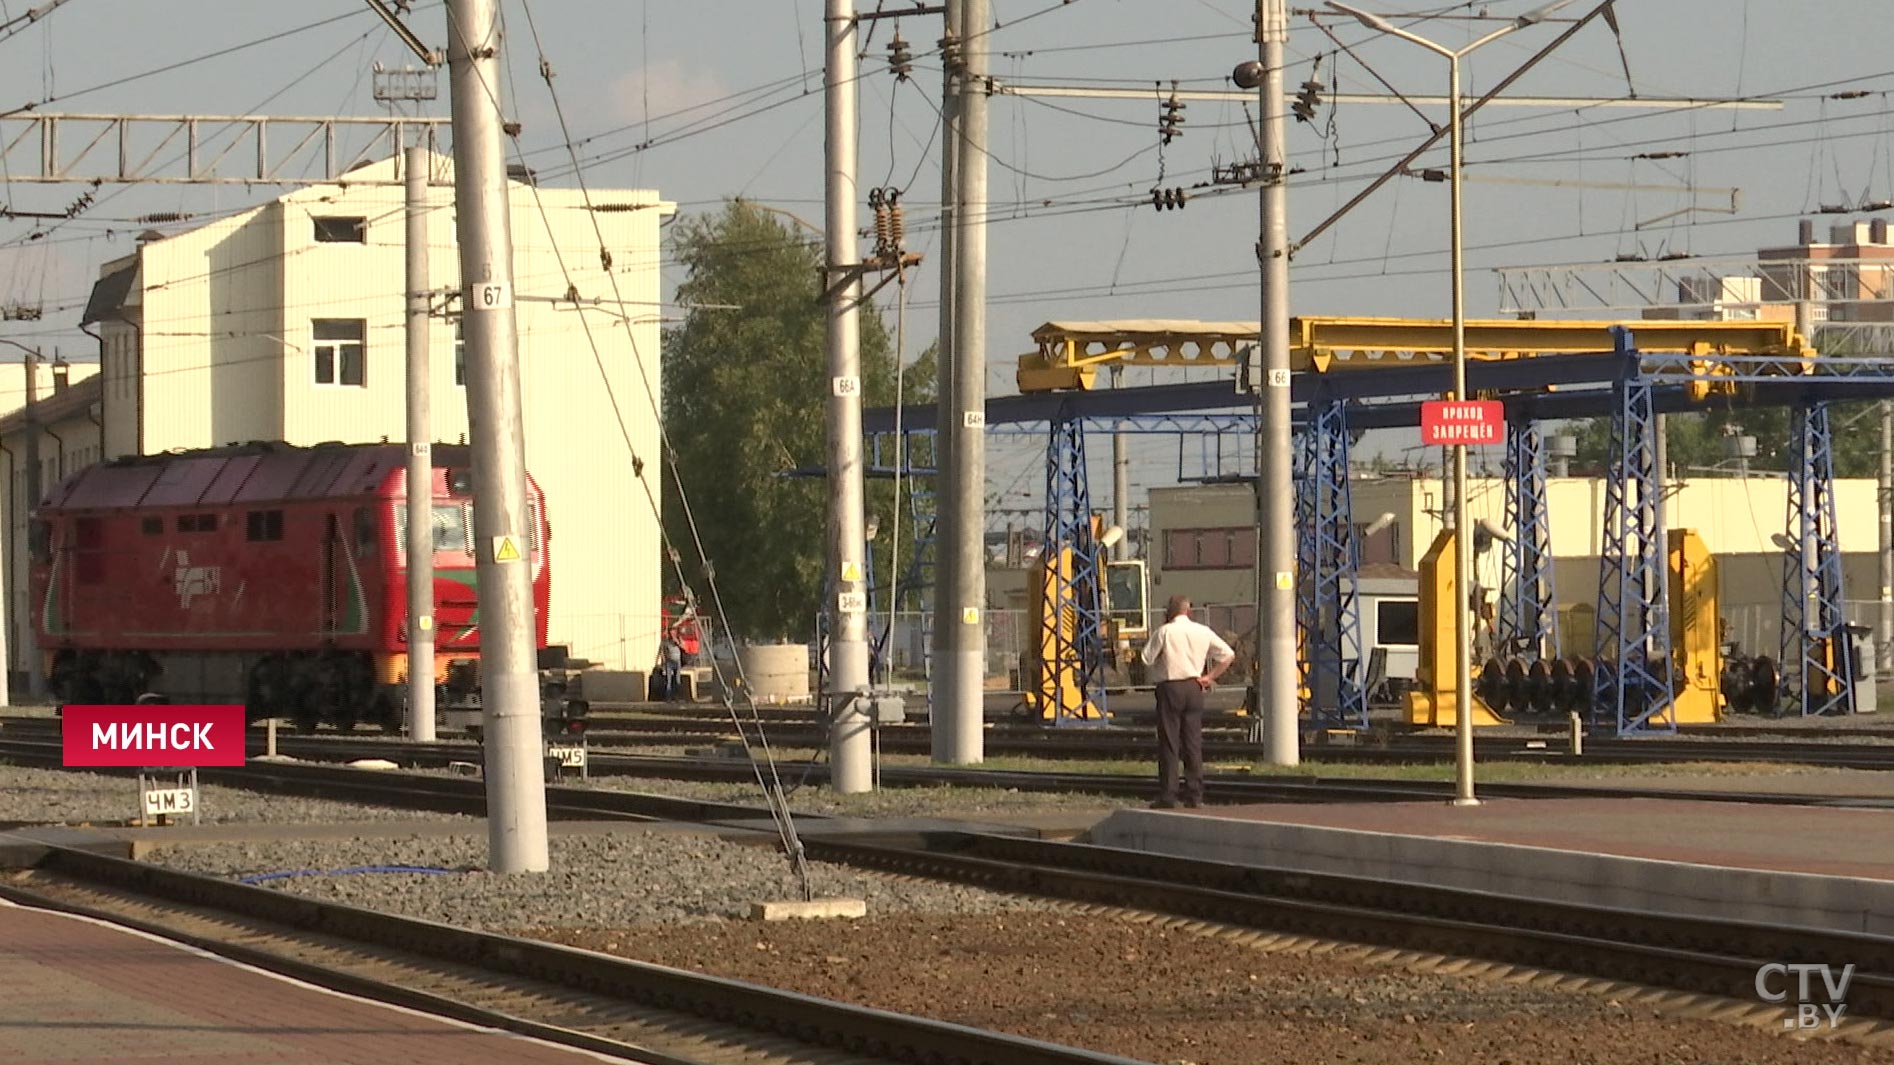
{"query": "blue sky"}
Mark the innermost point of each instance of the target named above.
(1068, 237)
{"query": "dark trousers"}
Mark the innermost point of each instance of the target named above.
(1179, 732)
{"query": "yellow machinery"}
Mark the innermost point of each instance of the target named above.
(1696, 650)
(1078, 630)
(1069, 354)
(1430, 703)
(1696, 645)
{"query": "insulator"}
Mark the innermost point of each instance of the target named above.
(898, 222)
(884, 226)
(1307, 101)
(900, 58)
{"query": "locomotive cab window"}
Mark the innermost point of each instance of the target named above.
(449, 523)
(366, 535)
(264, 525)
(197, 523)
(39, 541)
(151, 526)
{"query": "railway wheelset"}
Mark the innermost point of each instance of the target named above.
(1750, 684)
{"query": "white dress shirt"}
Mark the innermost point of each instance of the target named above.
(1182, 649)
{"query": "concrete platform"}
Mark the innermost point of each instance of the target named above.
(77, 991)
(1782, 865)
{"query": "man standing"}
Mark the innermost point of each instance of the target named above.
(1178, 653)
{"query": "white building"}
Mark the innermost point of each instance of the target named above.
(286, 322)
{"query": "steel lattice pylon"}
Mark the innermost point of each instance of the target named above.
(1815, 651)
(1528, 615)
(1328, 615)
(1073, 630)
(1632, 685)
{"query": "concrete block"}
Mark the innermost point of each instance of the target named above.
(615, 685)
(792, 910)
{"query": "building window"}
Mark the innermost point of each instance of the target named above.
(341, 230)
(264, 525)
(1226, 548)
(341, 352)
(1397, 622)
(460, 354)
(1382, 547)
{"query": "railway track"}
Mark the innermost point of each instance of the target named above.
(644, 1013)
(544, 990)
(318, 776)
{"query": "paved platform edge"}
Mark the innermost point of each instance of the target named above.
(546, 1047)
(1771, 897)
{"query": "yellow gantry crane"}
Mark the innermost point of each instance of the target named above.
(1069, 354)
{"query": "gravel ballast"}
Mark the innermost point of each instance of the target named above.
(63, 797)
(627, 878)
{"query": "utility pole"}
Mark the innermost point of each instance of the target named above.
(1884, 496)
(420, 460)
(960, 613)
(1277, 672)
(35, 487)
(509, 682)
(943, 619)
(851, 756)
(1120, 478)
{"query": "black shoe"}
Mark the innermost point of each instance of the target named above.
(1164, 804)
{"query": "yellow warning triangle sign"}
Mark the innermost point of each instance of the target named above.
(506, 549)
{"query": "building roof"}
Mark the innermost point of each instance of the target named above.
(58, 406)
(110, 294)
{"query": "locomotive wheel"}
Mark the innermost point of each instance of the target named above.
(1764, 685)
(1491, 685)
(385, 711)
(1517, 697)
(1539, 687)
(264, 696)
(304, 700)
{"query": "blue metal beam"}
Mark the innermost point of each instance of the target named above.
(1074, 635)
(1528, 617)
(1632, 683)
(1328, 563)
(1814, 643)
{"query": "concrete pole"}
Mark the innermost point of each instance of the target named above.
(509, 682)
(1463, 528)
(35, 488)
(960, 682)
(1121, 490)
(851, 756)
(1277, 681)
(944, 617)
(1120, 478)
(1884, 496)
(420, 544)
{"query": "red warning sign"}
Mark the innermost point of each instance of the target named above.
(1470, 422)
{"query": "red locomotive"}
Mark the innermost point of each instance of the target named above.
(261, 573)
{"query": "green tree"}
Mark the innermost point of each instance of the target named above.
(744, 396)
